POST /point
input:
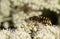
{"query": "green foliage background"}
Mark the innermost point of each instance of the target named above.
(59, 2)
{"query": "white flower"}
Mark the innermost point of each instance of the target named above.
(19, 34)
(5, 7)
(4, 34)
(47, 32)
(6, 25)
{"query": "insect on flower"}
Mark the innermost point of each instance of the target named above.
(40, 19)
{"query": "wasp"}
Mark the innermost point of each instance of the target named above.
(40, 19)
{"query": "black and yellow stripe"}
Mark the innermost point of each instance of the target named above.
(41, 19)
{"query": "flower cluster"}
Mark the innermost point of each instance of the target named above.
(47, 32)
(15, 13)
(17, 34)
(39, 4)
